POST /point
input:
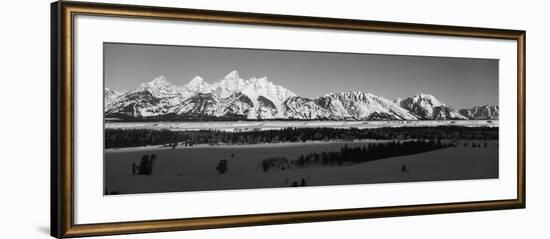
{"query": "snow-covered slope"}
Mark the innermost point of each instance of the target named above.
(303, 108)
(138, 104)
(256, 98)
(160, 87)
(110, 96)
(360, 105)
(234, 98)
(195, 86)
(481, 112)
(427, 107)
(256, 89)
(153, 98)
(228, 86)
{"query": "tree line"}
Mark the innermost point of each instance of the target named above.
(352, 155)
(119, 138)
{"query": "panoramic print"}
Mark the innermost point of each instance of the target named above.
(188, 118)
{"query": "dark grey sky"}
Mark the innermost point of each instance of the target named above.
(458, 82)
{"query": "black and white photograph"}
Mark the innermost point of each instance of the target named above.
(274, 119)
(194, 118)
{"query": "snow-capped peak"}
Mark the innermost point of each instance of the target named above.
(354, 94)
(266, 87)
(358, 104)
(158, 82)
(110, 92)
(259, 98)
(229, 85)
(257, 87)
(428, 99)
(261, 80)
(261, 83)
(110, 95)
(196, 80)
(232, 76)
(481, 112)
(197, 85)
(426, 106)
(160, 87)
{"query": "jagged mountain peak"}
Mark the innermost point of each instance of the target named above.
(160, 87)
(482, 112)
(258, 98)
(348, 93)
(110, 92)
(229, 85)
(159, 81)
(353, 94)
(110, 96)
(260, 81)
(427, 98)
(232, 79)
(196, 80)
(362, 105)
(427, 106)
(197, 85)
(233, 76)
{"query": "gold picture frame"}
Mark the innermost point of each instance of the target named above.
(62, 102)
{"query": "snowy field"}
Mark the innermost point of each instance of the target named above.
(268, 125)
(194, 168)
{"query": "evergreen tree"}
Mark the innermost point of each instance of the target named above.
(222, 166)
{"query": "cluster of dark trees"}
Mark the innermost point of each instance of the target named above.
(119, 138)
(145, 166)
(222, 166)
(352, 155)
(476, 145)
(302, 183)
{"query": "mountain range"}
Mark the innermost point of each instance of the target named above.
(233, 98)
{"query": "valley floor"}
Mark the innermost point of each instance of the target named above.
(194, 168)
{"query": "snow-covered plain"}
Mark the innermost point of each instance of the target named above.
(269, 125)
(194, 168)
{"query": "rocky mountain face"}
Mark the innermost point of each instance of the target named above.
(233, 98)
(484, 112)
(426, 106)
(359, 105)
(110, 96)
